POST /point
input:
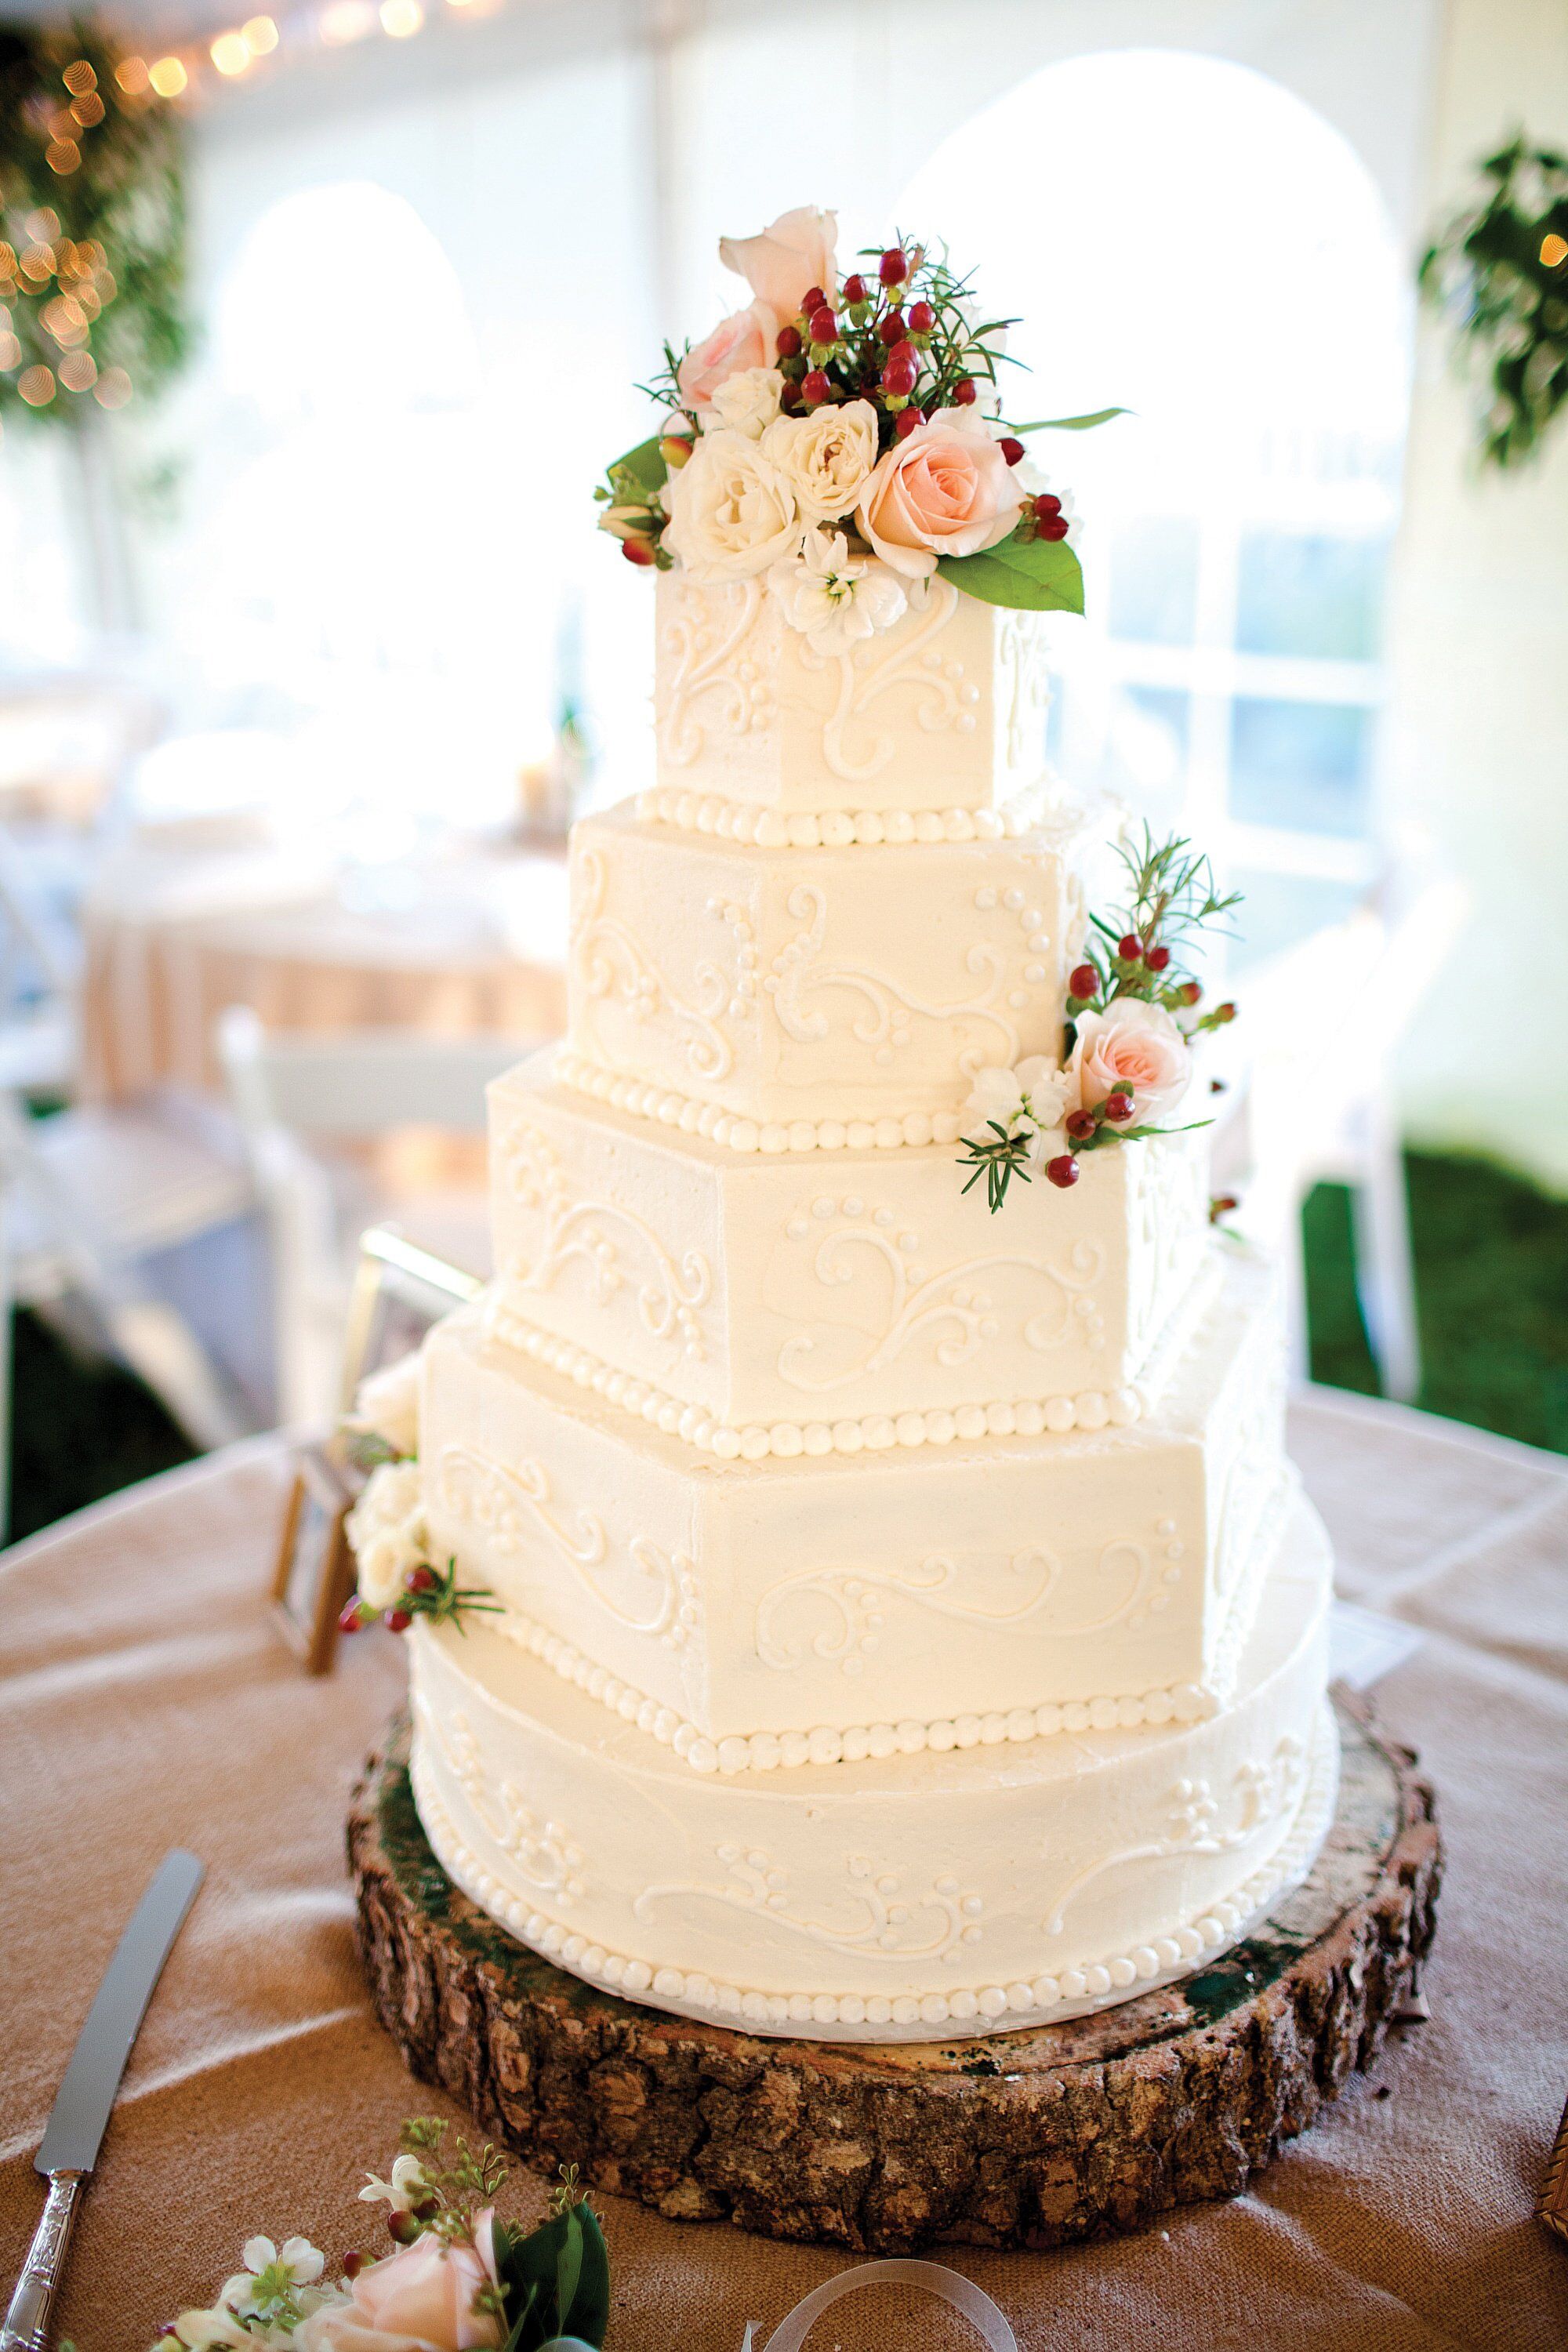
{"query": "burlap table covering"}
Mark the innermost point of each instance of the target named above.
(144, 1702)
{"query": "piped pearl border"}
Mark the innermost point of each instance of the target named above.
(723, 1127)
(871, 1432)
(833, 828)
(772, 1752)
(905, 2016)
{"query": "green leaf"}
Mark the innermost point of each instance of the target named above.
(568, 2266)
(645, 464)
(1071, 423)
(1037, 575)
(589, 2315)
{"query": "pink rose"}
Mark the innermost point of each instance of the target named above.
(947, 491)
(1130, 1044)
(747, 339)
(420, 2299)
(783, 265)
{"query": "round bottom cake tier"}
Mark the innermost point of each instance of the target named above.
(957, 1893)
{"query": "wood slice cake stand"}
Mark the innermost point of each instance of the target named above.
(1028, 2138)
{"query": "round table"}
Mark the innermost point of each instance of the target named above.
(465, 941)
(144, 1701)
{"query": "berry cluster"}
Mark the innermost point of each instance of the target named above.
(427, 1592)
(1138, 952)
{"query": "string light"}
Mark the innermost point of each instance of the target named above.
(112, 389)
(260, 35)
(62, 155)
(346, 20)
(132, 76)
(337, 23)
(37, 386)
(401, 18)
(231, 53)
(168, 77)
(1554, 250)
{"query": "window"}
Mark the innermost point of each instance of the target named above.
(1187, 238)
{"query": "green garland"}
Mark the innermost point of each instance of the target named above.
(1500, 268)
(92, 228)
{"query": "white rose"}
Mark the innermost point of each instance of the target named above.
(730, 512)
(387, 1531)
(834, 599)
(997, 1096)
(387, 1404)
(747, 403)
(827, 458)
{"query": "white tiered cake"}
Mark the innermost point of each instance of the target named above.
(911, 1625)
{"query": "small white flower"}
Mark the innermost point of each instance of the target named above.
(997, 1096)
(1048, 1090)
(202, 2330)
(406, 2187)
(270, 2273)
(833, 598)
(387, 1531)
(746, 403)
(1032, 483)
(387, 1404)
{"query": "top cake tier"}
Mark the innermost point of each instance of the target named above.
(945, 710)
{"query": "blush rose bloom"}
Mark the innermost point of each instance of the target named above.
(795, 253)
(947, 491)
(420, 2299)
(731, 514)
(747, 339)
(827, 459)
(1135, 1045)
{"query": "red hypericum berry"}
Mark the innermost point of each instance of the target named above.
(1222, 1012)
(636, 551)
(899, 375)
(1063, 1171)
(965, 391)
(823, 326)
(350, 1621)
(421, 1580)
(1118, 1108)
(1222, 1204)
(1083, 981)
(1080, 1123)
(893, 327)
(812, 300)
(1130, 947)
(894, 267)
(815, 388)
(907, 420)
(788, 342)
(1011, 450)
(855, 291)
(1219, 1086)
(354, 2262)
(1190, 992)
(403, 2228)
(922, 318)
(1158, 959)
(398, 1621)
(1047, 507)
(1054, 530)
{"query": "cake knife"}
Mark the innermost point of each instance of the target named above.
(86, 2098)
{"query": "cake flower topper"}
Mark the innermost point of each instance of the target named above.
(1132, 1013)
(841, 438)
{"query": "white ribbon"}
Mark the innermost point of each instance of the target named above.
(934, 2277)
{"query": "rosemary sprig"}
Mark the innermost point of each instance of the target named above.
(997, 1162)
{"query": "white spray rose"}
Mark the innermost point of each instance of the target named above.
(745, 404)
(387, 1532)
(387, 1404)
(827, 458)
(834, 599)
(732, 513)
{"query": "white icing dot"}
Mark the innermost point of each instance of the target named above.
(992, 2002)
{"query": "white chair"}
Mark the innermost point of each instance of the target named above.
(87, 1197)
(296, 1096)
(1309, 1076)
(40, 960)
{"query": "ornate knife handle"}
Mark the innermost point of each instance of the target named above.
(27, 2327)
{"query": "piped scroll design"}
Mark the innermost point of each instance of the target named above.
(947, 1302)
(879, 1915)
(797, 982)
(502, 1503)
(610, 966)
(544, 1854)
(858, 1601)
(668, 1292)
(1023, 690)
(702, 665)
(941, 698)
(1264, 1795)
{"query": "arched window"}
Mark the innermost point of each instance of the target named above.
(1183, 236)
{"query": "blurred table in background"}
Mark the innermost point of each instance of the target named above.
(463, 942)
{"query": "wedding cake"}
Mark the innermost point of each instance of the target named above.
(855, 1585)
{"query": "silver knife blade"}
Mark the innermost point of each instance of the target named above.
(87, 2096)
